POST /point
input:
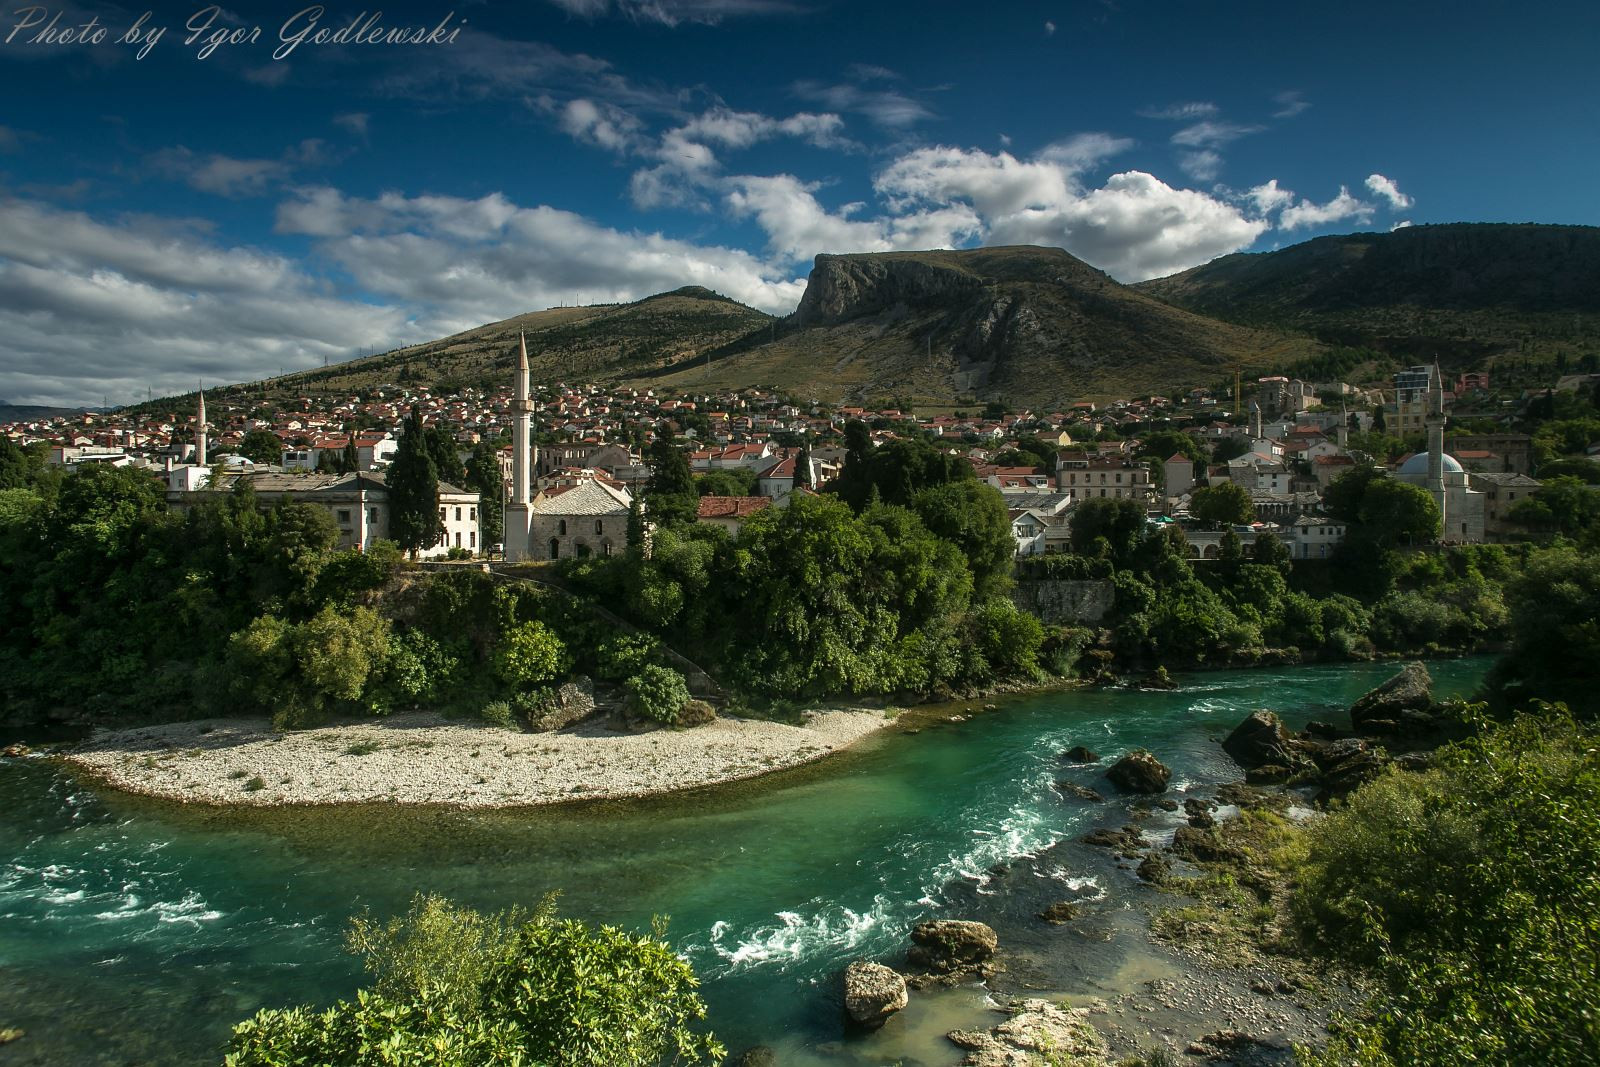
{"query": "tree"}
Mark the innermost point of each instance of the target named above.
(854, 481)
(1228, 448)
(1224, 504)
(1563, 505)
(446, 457)
(350, 458)
(1120, 522)
(483, 476)
(802, 465)
(899, 470)
(1395, 512)
(262, 446)
(736, 481)
(973, 517)
(670, 492)
(636, 528)
(1342, 499)
(1555, 644)
(530, 654)
(413, 484)
(1270, 551)
(457, 989)
(1164, 444)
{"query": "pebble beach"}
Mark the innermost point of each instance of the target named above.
(423, 758)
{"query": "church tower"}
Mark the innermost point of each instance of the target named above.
(200, 440)
(1434, 421)
(1255, 421)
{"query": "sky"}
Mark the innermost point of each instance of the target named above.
(204, 205)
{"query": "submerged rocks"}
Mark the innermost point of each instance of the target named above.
(1409, 691)
(1126, 840)
(1139, 772)
(949, 946)
(1062, 911)
(1037, 1028)
(1260, 740)
(872, 993)
(1082, 792)
(1081, 754)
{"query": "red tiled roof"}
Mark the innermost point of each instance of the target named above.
(731, 507)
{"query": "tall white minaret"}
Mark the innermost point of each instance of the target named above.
(1341, 435)
(521, 409)
(1435, 424)
(1255, 421)
(200, 441)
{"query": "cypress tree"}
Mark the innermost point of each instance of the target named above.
(635, 527)
(483, 475)
(414, 490)
(350, 459)
(446, 458)
(802, 465)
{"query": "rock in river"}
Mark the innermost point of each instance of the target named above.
(1139, 772)
(1259, 740)
(946, 945)
(1410, 690)
(872, 993)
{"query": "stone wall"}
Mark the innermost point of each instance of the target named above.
(1061, 603)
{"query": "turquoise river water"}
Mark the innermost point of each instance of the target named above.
(135, 932)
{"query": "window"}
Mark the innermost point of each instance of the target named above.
(472, 513)
(562, 529)
(441, 514)
(458, 538)
(344, 516)
(598, 527)
(472, 539)
(372, 515)
(458, 514)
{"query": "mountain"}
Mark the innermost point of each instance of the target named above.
(599, 342)
(1461, 292)
(1026, 324)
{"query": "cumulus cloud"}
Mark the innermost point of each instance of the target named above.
(1270, 197)
(1134, 226)
(1402, 224)
(1307, 213)
(1386, 188)
(1202, 166)
(600, 123)
(91, 306)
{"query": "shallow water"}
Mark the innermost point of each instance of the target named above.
(137, 932)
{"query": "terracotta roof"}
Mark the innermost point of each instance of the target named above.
(731, 507)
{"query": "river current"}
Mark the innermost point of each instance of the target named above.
(136, 932)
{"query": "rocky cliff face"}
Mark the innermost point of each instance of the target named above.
(842, 288)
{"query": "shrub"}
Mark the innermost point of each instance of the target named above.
(620, 657)
(529, 653)
(453, 988)
(498, 713)
(1008, 637)
(657, 693)
(696, 713)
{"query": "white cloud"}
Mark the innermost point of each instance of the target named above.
(1306, 213)
(1182, 112)
(1083, 151)
(1289, 104)
(1270, 197)
(230, 177)
(886, 107)
(1202, 166)
(1211, 134)
(1386, 188)
(354, 121)
(1402, 224)
(1049, 29)
(798, 226)
(91, 307)
(600, 123)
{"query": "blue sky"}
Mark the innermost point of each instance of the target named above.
(179, 217)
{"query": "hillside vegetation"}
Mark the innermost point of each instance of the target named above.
(1463, 292)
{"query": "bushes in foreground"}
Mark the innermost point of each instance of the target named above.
(1471, 894)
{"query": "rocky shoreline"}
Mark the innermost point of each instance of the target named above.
(423, 758)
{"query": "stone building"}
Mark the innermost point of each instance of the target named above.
(1085, 477)
(588, 519)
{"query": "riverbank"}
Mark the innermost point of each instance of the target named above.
(423, 758)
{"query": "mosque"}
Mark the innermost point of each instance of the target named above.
(1460, 506)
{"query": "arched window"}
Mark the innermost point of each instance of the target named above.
(563, 528)
(599, 526)
(555, 548)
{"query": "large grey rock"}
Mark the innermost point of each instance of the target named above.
(1036, 1029)
(573, 703)
(1410, 690)
(1139, 772)
(872, 993)
(1259, 740)
(945, 945)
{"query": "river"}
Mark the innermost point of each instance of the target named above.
(137, 932)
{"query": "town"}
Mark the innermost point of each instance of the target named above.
(1259, 461)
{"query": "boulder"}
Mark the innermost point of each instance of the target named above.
(872, 993)
(1081, 754)
(1082, 792)
(1127, 839)
(1139, 772)
(1324, 730)
(1155, 869)
(1199, 814)
(1036, 1028)
(946, 945)
(1326, 754)
(16, 750)
(1201, 846)
(1353, 771)
(1259, 740)
(1062, 911)
(1410, 690)
(572, 703)
(1271, 774)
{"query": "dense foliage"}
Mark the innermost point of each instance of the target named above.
(453, 988)
(1471, 894)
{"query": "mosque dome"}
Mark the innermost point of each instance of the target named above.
(1415, 469)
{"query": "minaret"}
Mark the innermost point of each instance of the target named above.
(200, 441)
(1255, 421)
(521, 409)
(1341, 436)
(1435, 424)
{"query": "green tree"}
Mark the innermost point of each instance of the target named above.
(1395, 512)
(1120, 523)
(262, 446)
(1344, 494)
(413, 484)
(1269, 550)
(530, 654)
(483, 477)
(736, 481)
(1555, 641)
(1223, 504)
(973, 517)
(456, 989)
(670, 493)
(802, 465)
(350, 457)
(636, 527)
(1562, 505)
(656, 692)
(441, 445)
(1164, 444)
